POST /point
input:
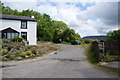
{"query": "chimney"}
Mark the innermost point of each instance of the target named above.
(32, 17)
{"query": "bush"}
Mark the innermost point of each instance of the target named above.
(28, 52)
(4, 41)
(40, 53)
(17, 39)
(3, 52)
(113, 36)
(87, 41)
(0, 48)
(17, 53)
(93, 56)
(34, 50)
(23, 54)
(12, 57)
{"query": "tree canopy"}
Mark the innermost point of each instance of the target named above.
(113, 36)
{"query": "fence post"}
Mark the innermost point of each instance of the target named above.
(101, 49)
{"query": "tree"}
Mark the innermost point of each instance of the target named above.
(69, 35)
(113, 36)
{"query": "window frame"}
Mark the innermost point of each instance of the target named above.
(22, 26)
(22, 35)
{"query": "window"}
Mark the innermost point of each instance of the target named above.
(23, 24)
(24, 35)
(9, 35)
(4, 35)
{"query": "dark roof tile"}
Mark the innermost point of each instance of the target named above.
(12, 17)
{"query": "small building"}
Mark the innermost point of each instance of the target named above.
(12, 26)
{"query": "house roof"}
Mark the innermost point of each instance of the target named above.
(8, 28)
(12, 17)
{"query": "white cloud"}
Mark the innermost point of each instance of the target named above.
(21, 5)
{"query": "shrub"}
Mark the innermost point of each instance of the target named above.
(0, 48)
(93, 56)
(23, 54)
(12, 57)
(87, 41)
(40, 53)
(6, 41)
(28, 52)
(17, 53)
(113, 36)
(17, 39)
(3, 52)
(34, 50)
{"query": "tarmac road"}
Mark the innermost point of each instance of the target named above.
(69, 62)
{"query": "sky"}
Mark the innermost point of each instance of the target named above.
(87, 18)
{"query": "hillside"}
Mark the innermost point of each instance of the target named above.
(95, 37)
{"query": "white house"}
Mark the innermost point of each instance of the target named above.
(12, 26)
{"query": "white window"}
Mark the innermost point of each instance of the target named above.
(23, 24)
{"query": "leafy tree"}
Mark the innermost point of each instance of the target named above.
(69, 35)
(113, 36)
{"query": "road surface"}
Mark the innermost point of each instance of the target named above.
(69, 62)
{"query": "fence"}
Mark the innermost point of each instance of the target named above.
(112, 47)
(103, 48)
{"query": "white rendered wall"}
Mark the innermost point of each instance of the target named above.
(16, 25)
(32, 33)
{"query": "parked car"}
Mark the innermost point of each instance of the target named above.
(76, 42)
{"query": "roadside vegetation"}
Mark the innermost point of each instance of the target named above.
(112, 54)
(92, 55)
(113, 38)
(15, 49)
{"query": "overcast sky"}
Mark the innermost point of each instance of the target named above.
(86, 18)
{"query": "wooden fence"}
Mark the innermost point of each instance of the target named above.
(102, 48)
(112, 47)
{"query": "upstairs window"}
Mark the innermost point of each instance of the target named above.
(23, 24)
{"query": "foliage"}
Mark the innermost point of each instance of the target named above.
(28, 52)
(113, 39)
(33, 50)
(16, 52)
(5, 41)
(3, 52)
(17, 39)
(23, 54)
(87, 41)
(12, 57)
(93, 57)
(113, 36)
